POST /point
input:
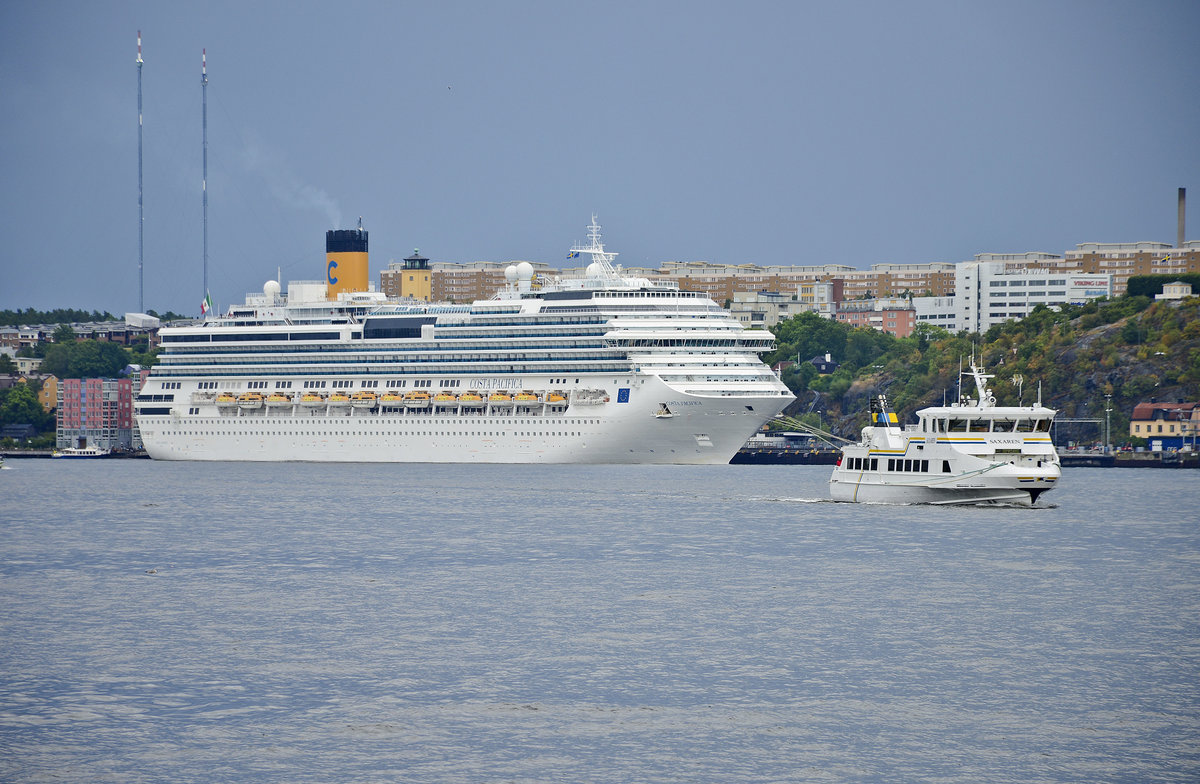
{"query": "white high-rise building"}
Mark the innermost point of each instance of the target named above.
(998, 287)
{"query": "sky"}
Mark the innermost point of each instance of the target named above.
(745, 132)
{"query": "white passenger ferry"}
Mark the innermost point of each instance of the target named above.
(602, 369)
(970, 452)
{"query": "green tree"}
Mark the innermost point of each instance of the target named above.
(85, 359)
(64, 334)
(7, 366)
(20, 406)
(807, 335)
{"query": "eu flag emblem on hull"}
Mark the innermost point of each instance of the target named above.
(623, 395)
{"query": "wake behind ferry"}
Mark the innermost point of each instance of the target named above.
(970, 452)
(603, 369)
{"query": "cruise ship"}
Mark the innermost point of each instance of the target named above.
(600, 369)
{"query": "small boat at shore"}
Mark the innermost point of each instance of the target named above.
(970, 452)
(82, 452)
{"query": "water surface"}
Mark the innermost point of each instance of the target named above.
(298, 622)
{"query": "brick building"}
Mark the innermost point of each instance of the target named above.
(95, 412)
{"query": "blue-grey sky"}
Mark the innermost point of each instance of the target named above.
(737, 132)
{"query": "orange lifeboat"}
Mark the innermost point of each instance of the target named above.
(278, 400)
(363, 399)
(416, 400)
(470, 400)
(250, 401)
(500, 400)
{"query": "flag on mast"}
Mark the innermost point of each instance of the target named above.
(206, 304)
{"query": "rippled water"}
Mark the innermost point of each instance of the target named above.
(295, 623)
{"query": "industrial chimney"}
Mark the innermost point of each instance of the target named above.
(1179, 231)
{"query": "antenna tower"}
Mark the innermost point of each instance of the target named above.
(204, 133)
(141, 219)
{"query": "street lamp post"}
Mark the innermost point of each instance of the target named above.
(1107, 432)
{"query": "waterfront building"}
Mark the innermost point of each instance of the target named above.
(95, 412)
(1166, 426)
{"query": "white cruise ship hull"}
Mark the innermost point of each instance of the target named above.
(698, 430)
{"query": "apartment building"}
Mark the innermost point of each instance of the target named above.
(1124, 260)
(95, 412)
(893, 315)
(897, 280)
(765, 309)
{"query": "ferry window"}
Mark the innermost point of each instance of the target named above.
(874, 463)
(958, 425)
(891, 464)
(979, 426)
(1003, 426)
(925, 466)
(1042, 426)
(945, 466)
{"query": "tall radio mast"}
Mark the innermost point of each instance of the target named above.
(204, 183)
(141, 219)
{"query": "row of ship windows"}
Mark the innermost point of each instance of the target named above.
(501, 433)
(592, 352)
(690, 358)
(984, 425)
(392, 383)
(386, 350)
(189, 370)
(424, 422)
(419, 354)
(446, 331)
(904, 465)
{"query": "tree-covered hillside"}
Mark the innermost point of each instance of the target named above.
(1132, 348)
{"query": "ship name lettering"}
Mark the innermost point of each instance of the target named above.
(495, 383)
